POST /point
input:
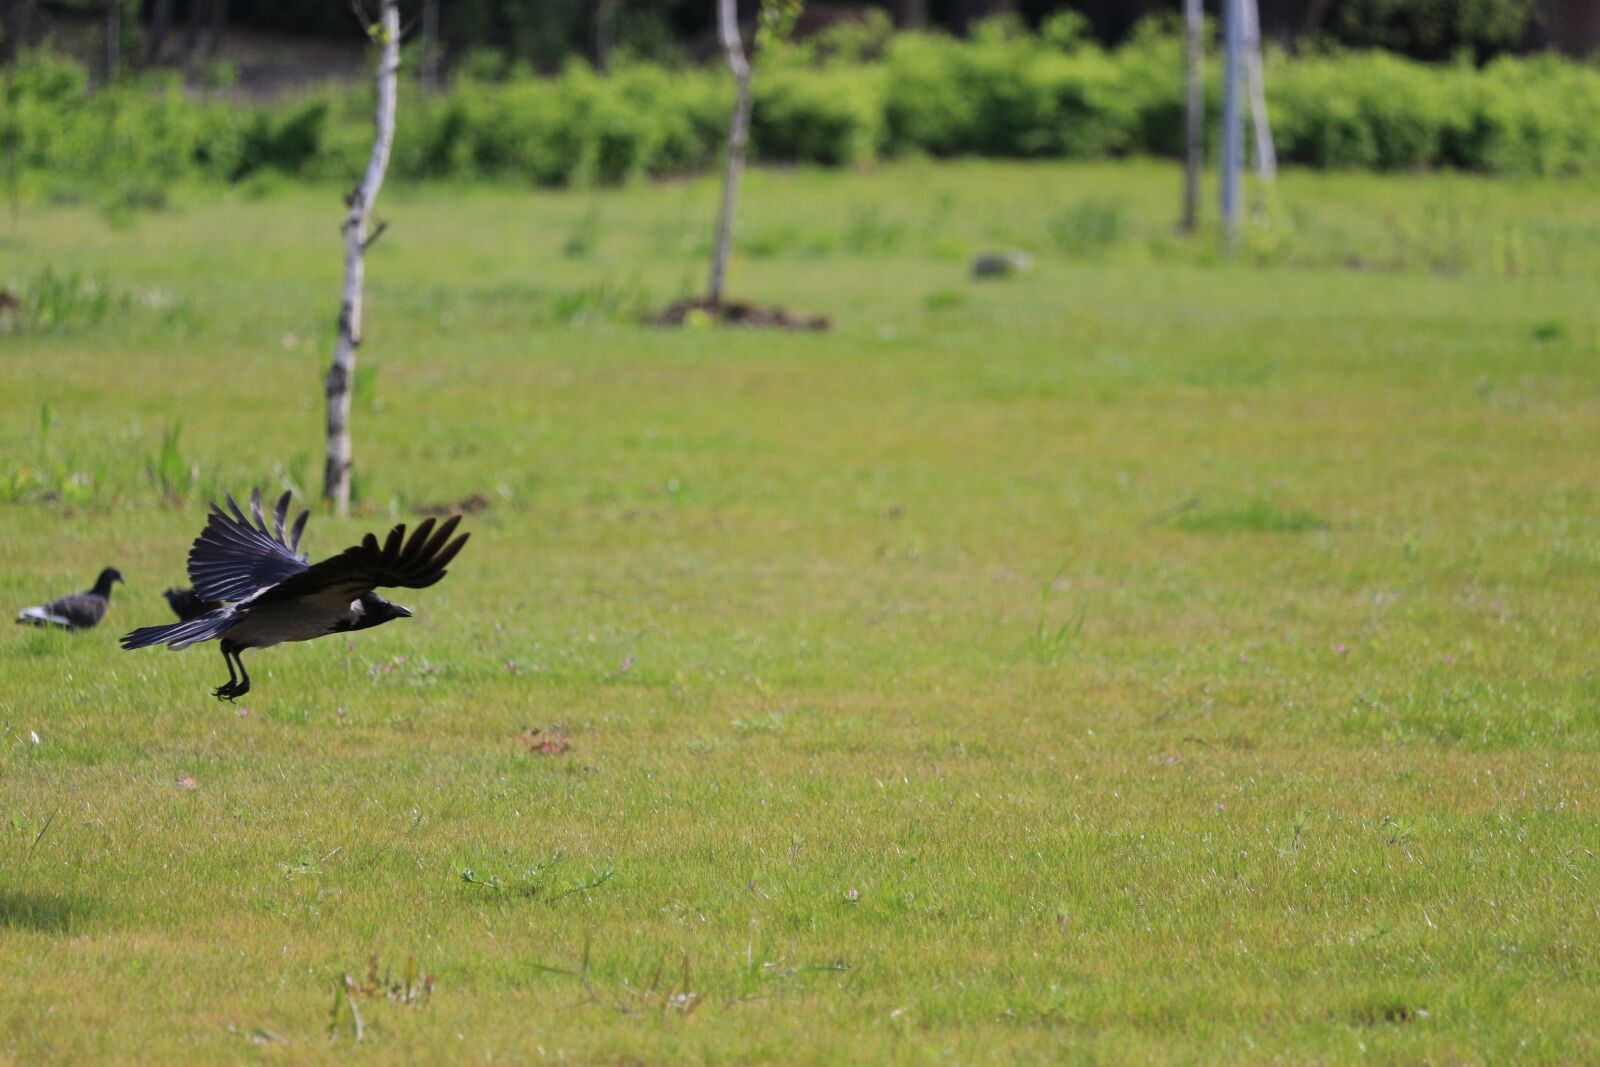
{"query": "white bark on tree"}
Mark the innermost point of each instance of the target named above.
(738, 138)
(1194, 24)
(1255, 79)
(357, 220)
(1232, 120)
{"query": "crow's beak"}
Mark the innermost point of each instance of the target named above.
(404, 613)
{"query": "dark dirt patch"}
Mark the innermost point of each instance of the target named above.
(739, 313)
(474, 503)
(545, 742)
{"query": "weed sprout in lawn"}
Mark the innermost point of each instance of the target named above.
(1089, 228)
(172, 477)
(1050, 640)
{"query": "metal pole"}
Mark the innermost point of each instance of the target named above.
(1232, 120)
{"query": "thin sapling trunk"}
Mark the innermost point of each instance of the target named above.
(430, 47)
(357, 238)
(738, 138)
(160, 23)
(1194, 25)
(1255, 79)
(113, 40)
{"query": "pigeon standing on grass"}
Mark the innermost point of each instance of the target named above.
(269, 594)
(80, 611)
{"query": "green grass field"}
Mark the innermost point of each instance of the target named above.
(1144, 659)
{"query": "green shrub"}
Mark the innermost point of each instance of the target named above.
(280, 142)
(926, 107)
(831, 115)
(1004, 92)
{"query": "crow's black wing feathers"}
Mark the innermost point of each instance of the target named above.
(409, 564)
(234, 560)
(185, 633)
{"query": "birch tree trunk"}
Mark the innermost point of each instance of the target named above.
(1316, 12)
(160, 23)
(738, 138)
(430, 47)
(1255, 79)
(16, 27)
(341, 375)
(1232, 119)
(1194, 25)
(113, 41)
(219, 20)
(911, 14)
(605, 33)
(191, 33)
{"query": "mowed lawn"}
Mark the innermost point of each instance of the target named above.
(1143, 659)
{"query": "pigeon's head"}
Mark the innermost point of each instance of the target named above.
(374, 610)
(102, 585)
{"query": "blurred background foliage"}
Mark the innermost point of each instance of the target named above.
(547, 33)
(849, 94)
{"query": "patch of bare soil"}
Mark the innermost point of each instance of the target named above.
(737, 313)
(475, 502)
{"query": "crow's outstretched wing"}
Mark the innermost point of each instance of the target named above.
(409, 564)
(234, 560)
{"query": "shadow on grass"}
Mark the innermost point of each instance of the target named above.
(44, 912)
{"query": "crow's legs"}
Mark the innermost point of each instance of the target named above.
(237, 685)
(244, 676)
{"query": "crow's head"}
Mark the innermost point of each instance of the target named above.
(102, 585)
(374, 610)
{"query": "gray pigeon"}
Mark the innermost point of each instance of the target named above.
(80, 611)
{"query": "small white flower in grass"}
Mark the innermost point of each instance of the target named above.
(33, 735)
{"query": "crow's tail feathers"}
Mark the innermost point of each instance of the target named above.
(183, 634)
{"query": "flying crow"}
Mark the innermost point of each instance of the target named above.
(80, 611)
(269, 594)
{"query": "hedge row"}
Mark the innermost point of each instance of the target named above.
(1002, 93)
